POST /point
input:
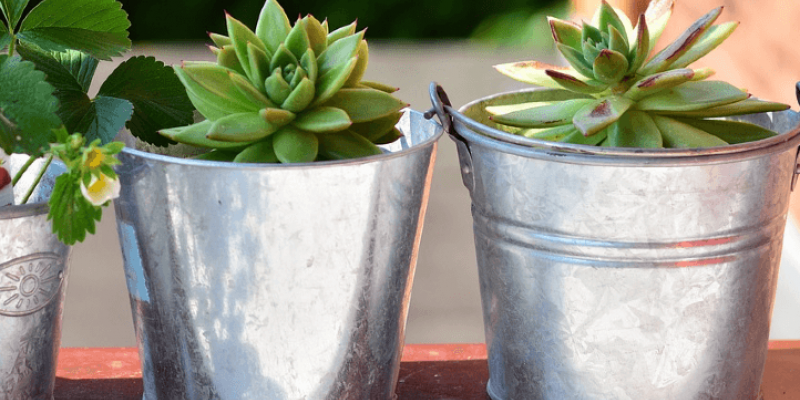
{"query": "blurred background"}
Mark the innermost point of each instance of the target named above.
(414, 42)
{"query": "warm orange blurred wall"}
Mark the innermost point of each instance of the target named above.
(762, 55)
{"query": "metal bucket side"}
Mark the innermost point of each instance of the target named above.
(626, 276)
(33, 279)
(269, 281)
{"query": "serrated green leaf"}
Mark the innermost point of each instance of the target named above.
(71, 214)
(323, 119)
(68, 71)
(105, 117)
(260, 152)
(635, 129)
(273, 25)
(96, 27)
(680, 135)
(345, 145)
(601, 113)
(27, 107)
(692, 96)
(538, 115)
(5, 38)
(295, 146)
(731, 132)
(158, 97)
(363, 105)
(12, 10)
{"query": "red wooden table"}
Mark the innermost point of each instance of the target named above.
(427, 372)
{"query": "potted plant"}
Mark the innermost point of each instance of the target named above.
(278, 263)
(48, 122)
(628, 236)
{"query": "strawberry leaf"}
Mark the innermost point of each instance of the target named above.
(27, 107)
(5, 38)
(158, 97)
(72, 215)
(96, 27)
(12, 10)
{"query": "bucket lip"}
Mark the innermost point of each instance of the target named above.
(23, 210)
(486, 136)
(311, 165)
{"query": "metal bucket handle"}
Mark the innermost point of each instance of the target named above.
(443, 109)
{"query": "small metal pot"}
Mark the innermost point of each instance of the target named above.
(265, 281)
(33, 279)
(611, 273)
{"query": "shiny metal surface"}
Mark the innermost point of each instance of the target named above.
(33, 279)
(626, 274)
(274, 281)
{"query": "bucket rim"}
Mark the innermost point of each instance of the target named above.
(485, 136)
(23, 210)
(166, 159)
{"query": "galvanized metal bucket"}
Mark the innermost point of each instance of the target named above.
(33, 280)
(257, 281)
(611, 273)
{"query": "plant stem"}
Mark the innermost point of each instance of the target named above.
(22, 170)
(38, 178)
(12, 45)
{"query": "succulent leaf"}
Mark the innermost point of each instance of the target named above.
(249, 91)
(216, 155)
(344, 145)
(641, 46)
(301, 97)
(576, 60)
(599, 114)
(338, 52)
(378, 86)
(360, 67)
(680, 135)
(657, 82)
(610, 66)
(324, 119)
(341, 33)
(390, 137)
(539, 116)
(220, 40)
(691, 96)
(555, 133)
(195, 135)
(569, 82)
(702, 74)
(657, 15)
(333, 81)
(610, 19)
(226, 57)
(566, 33)
(363, 105)
(679, 47)
(376, 129)
(747, 106)
(292, 145)
(241, 128)
(277, 116)
(731, 132)
(282, 58)
(278, 90)
(317, 34)
(532, 72)
(241, 35)
(273, 25)
(635, 129)
(617, 41)
(259, 152)
(297, 41)
(712, 38)
(259, 65)
(577, 137)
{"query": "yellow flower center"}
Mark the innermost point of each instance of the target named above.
(94, 159)
(98, 187)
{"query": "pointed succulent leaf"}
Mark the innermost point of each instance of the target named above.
(539, 116)
(712, 38)
(703, 74)
(600, 113)
(590, 52)
(657, 15)
(360, 67)
(576, 60)
(220, 40)
(248, 90)
(610, 66)
(680, 46)
(569, 82)
(657, 82)
(339, 53)
(195, 135)
(226, 57)
(565, 32)
(375, 129)
(333, 81)
(680, 135)
(209, 103)
(618, 42)
(390, 137)
(317, 35)
(277, 88)
(273, 25)
(532, 72)
(302, 95)
(323, 120)
(295, 146)
(555, 133)
(577, 137)
(241, 35)
(309, 64)
(298, 76)
(747, 106)
(609, 18)
(341, 33)
(282, 58)
(261, 152)
(732, 132)
(635, 129)
(345, 145)
(590, 32)
(297, 40)
(378, 86)
(641, 45)
(217, 80)
(692, 96)
(259, 65)
(626, 23)
(96, 27)
(217, 155)
(277, 116)
(324, 25)
(363, 105)
(241, 128)
(12, 11)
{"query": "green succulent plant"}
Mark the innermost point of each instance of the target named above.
(287, 94)
(614, 94)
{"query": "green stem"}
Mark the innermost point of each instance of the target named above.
(38, 178)
(12, 45)
(22, 170)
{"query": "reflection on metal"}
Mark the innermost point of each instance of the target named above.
(33, 268)
(274, 281)
(624, 273)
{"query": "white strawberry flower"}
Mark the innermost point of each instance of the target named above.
(101, 190)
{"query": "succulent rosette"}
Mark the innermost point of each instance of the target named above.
(614, 94)
(287, 94)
